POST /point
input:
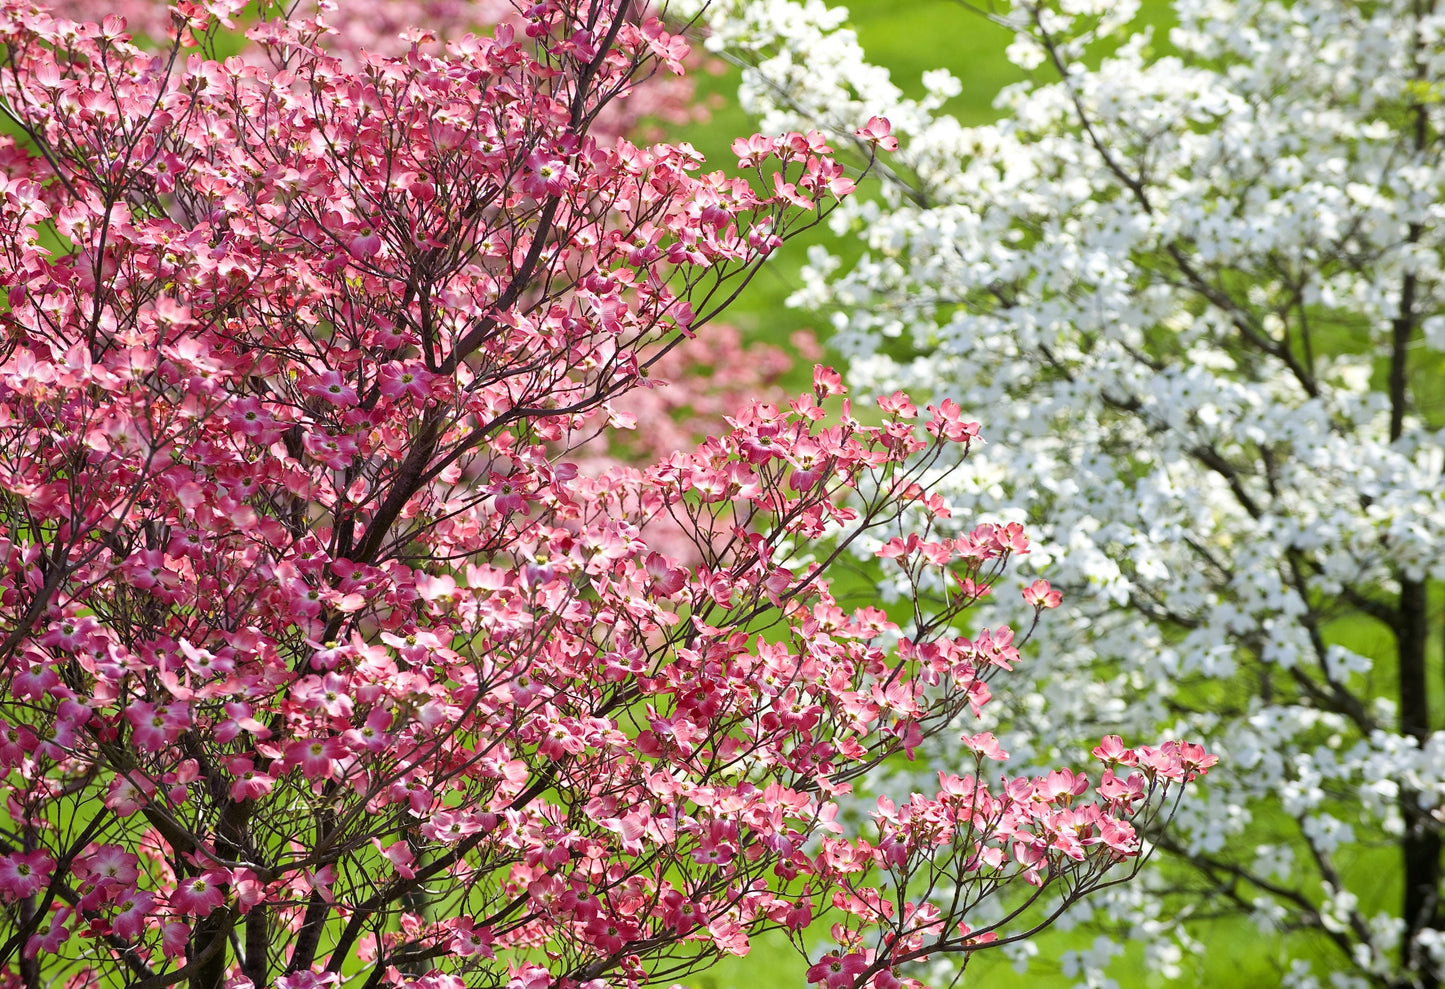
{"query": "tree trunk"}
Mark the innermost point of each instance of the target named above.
(1420, 847)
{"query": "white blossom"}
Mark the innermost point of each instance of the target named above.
(1198, 302)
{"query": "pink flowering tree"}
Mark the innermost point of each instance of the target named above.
(322, 663)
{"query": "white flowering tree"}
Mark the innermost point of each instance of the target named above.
(1197, 285)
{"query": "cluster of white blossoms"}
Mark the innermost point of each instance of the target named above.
(1197, 301)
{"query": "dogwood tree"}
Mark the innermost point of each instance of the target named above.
(321, 662)
(1196, 283)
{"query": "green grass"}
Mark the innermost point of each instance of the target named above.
(912, 36)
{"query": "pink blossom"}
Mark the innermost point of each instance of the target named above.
(372, 735)
(1112, 752)
(249, 783)
(530, 977)
(249, 418)
(451, 826)
(985, 745)
(365, 243)
(239, 719)
(545, 175)
(199, 895)
(1041, 595)
(331, 387)
(155, 726)
(316, 757)
(125, 795)
(877, 131)
(400, 855)
(398, 381)
(132, 908)
(109, 865)
(174, 937)
(837, 971)
(53, 932)
(468, 939)
(248, 888)
(24, 874)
